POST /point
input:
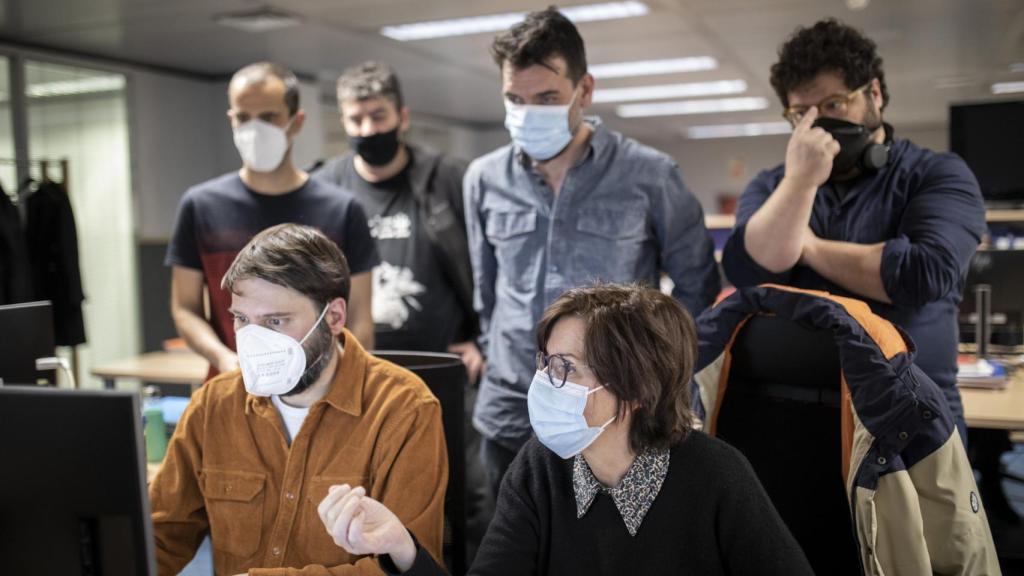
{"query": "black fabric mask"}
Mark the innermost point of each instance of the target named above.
(858, 152)
(376, 149)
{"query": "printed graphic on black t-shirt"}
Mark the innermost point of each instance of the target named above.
(414, 308)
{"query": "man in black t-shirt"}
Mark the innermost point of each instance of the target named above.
(218, 217)
(423, 287)
(422, 290)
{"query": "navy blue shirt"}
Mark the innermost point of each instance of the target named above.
(927, 208)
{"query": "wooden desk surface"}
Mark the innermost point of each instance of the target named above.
(178, 367)
(1003, 409)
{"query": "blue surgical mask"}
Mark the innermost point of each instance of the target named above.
(540, 131)
(556, 415)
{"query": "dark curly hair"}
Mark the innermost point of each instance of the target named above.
(828, 46)
(540, 37)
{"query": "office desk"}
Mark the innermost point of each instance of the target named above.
(178, 367)
(1001, 409)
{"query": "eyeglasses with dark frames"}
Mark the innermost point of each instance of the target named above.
(557, 367)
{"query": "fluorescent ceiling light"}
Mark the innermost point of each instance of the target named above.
(1007, 87)
(666, 91)
(691, 107)
(651, 67)
(738, 130)
(259, 20)
(496, 22)
(1017, 67)
(89, 85)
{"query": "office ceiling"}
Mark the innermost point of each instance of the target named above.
(936, 51)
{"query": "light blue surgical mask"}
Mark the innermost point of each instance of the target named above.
(542, 131)
(556, 415)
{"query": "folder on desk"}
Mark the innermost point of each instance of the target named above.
(981, 373)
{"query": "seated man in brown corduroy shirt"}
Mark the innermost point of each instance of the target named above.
(257, 448)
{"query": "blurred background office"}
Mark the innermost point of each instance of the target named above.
(123, 103)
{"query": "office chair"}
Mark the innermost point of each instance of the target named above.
(445, 375)
(781, 410)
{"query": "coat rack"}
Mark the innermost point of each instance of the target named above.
(44, 165)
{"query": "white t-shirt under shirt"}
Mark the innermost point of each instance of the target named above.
(293, 417)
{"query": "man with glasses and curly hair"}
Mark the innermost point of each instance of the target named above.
(856, 211)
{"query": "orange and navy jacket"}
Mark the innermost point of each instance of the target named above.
(911, 490)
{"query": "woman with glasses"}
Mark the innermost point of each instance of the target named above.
(617, 480)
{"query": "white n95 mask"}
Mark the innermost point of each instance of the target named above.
(261, 145)
(556, 415)
(272, 363)
(541, 131)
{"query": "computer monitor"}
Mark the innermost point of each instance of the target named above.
(989, 137)
(73, 495)
(1003, 271)
(27, 334)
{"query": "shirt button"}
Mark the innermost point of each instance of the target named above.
(275, 551)
(903, 435)
(290, 496)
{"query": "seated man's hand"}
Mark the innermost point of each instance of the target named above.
(362, 525)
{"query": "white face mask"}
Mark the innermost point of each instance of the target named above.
(540, 131)
(271, 362)
(261, 145)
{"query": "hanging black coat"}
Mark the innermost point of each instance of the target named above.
(53, 253)
(15, 275)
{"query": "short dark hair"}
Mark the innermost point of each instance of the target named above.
(260, 71)
(642, 345)
(827, 46)
(294, 256)
(540, 37)
(370, 80)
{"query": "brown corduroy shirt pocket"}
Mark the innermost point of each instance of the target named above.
(234, 505)
(317, 543)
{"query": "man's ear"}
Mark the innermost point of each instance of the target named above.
(337, 313)
(876, 94)
(586, 91)
(297, 121)
(403, 119)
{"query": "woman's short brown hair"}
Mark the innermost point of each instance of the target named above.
(642, 345)
(294, 256)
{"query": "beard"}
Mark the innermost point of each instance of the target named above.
(319, 349)
(872, 117)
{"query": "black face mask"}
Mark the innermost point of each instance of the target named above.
(858, 152)
(376, 149)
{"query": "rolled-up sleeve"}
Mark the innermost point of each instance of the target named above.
(938, 233)
(687, 253)
(481, 253)
(740, 268)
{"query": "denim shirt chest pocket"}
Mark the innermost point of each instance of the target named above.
(516, 248)
(609, 244)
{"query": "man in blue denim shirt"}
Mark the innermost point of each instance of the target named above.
(568, 203)
(896, 232)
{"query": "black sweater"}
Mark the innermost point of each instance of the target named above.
(711, 517)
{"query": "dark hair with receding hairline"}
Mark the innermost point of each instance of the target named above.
(294, 256)
(827, 46)
(259, 72)
(642, 346)
(370, 80)
(540, 37)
